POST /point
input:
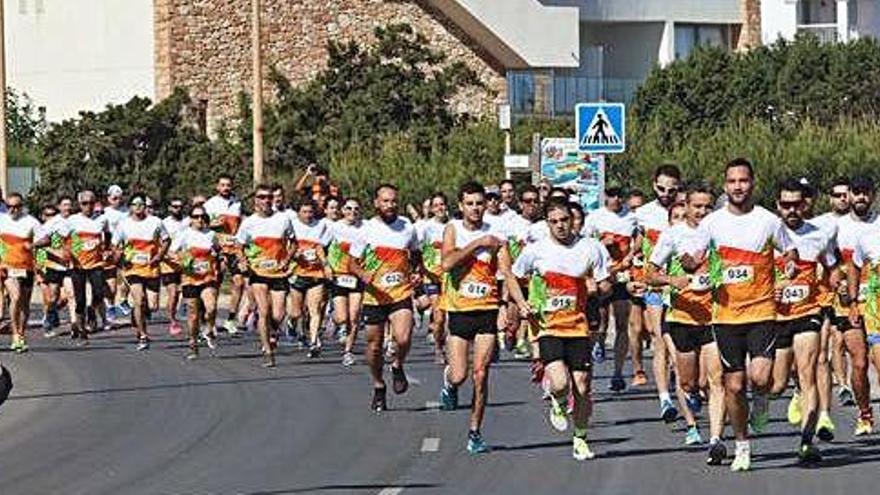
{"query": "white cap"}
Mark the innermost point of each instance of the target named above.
(114, 190)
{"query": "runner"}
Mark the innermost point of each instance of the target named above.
(615, 228)
(65, 209)
(653, 219)
(268, 242)
(174, 224)
(18, 238)
(385, 260)
(141, 242)
(89, 239)
(197, 251)
(850, 229)
(311, 272)
(798, 310)
(114, 212)
(333, 209)
(688, 320)
(278, 199)
(225, 212)
(518, 227)
(561, 264)
(431, 240)
(741, 263)
(52, 265)
(472, 254)
(346, 291)
(507, 190)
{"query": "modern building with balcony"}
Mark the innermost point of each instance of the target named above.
(829, 20)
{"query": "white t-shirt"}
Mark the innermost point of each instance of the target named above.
(265, 241)
(16, 234)
(384, 250)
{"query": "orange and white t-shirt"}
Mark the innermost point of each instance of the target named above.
(225, 213)
(472, 285)
(141, 241)
(745, 244)
(344, 237)
(58, 231)
(87, 240)
(384, 251)
(17, 236)
(174, 227)
(801, 294)
(430, 234)
(197, 253)
(826, 221)
(265, 241)
(558, 291)
(311, 239)
(615, 231)
(850, 229)
(866, 257)
(693, 305)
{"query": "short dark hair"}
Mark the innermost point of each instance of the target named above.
(615, 191)
(669, 170)
(636, 193)
(224, 176)
(557, 204)
(529, 189)
(576, 207)
(276, 186)
(840, 180)
(138, 195)
(506, 181)
(48, 207)
(441, 195)
(319, 170)
(740, 162)
(63, 197)
(384, 185)
(698, 187)
(861, 183)
(790, 185)
(305, 201)
(469, 187)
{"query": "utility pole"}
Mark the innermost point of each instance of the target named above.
(4, 175)
(257, 91)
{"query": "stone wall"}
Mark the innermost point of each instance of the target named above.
(205, 45)
(750, 33)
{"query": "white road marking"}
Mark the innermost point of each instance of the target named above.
(432, 404)
(430, 444)
(391, 490)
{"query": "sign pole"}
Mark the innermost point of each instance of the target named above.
(258, 92)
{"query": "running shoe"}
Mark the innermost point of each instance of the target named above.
(112, 313)
(694, 403)
(845, 396)
(618, 384)
(476, 444)
(558, 417)
(864, 425)
(379, 402)
(341, 335)
(348, 359)
(439, 356)
(795, 414)
(124, 308)
(399, 383)
(390, 350)
(825, 427)
(741, 462)
(717, 454)
(174, 329)
(668, 411)
(230, 327)
(639, 379)
(193, 353)
(580, 450)
(760, 417)
(143, 344)
(268, 360)
(314, 351)
(448, 398)
(429, 338)
(598, 353)
(49, 333)
(809, 453)
(693, 436)
(210, 340)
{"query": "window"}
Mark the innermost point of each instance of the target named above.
(689, 36)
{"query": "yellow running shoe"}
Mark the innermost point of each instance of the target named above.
(795, 415)
(825, 427)
(864, 426)
(580, 450)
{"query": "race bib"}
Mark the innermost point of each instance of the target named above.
(346, 281)
(17, 272)
(623, 277)
(474, 290)
(700, 282)
(560, 303)
(738, 274)
(140, 259)
(201, 267)
(310, 255)
(267, 264)
(392, 279)
(795, 293)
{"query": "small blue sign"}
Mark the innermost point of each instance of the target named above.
(601, 127)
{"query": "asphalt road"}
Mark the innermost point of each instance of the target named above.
(108, 419)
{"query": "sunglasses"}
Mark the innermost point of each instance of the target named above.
(175, 206)
(199, 217)
(263, 196)
(666, 190)
(559, 220)
(861, 192)
(86, 203)
(351, 208)
(839, 194)
(14, 207)
(789, 205)
(527, 201)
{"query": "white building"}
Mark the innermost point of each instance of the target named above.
(830, 20)
(72, 55)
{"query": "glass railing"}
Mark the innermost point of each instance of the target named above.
(546, 93)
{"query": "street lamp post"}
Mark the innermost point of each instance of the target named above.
(258, 93)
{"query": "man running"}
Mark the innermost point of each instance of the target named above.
(561, 264)
(385, 260)
(268, 242)
(798, 310)
(688, 320)
(472, 254)
(197, 252)
(518, 227)
(89, 239)
(742, 237)
(653, 219)
(311, 273)
(346, 290)
(114, 212)
(431, 239)
(174, 224)
(225, 212)
(18, 238)
(52, 264)
(141, 243)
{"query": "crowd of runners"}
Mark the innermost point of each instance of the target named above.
(737, 303)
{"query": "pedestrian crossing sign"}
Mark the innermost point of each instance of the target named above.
(601, 127)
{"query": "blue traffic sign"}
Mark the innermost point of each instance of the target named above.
(601, 127)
